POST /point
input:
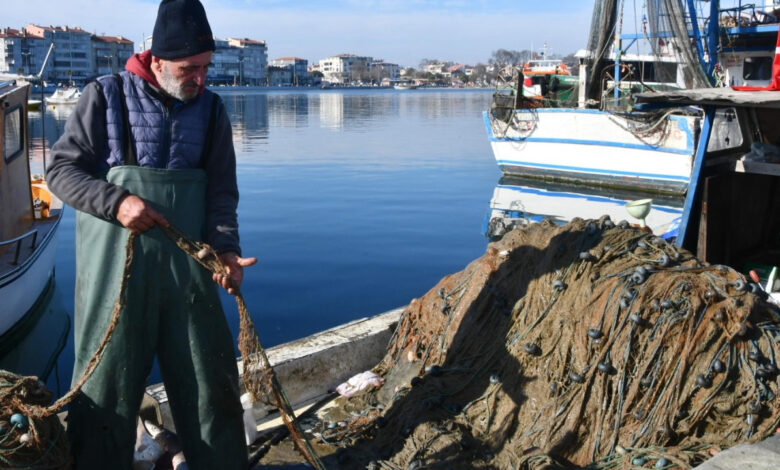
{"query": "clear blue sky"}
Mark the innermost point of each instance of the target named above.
(400, 31)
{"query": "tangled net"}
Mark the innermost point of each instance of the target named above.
(588, 344)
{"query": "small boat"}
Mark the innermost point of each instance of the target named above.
(29, 217)
(64, 96)
(404, 85)
(540, 76)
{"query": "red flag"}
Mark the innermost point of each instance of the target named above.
(774, 84)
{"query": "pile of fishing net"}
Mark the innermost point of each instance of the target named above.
(31, 435)
(590, 344)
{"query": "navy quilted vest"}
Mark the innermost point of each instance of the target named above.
(163, 138)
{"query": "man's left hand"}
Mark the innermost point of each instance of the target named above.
(234, 265)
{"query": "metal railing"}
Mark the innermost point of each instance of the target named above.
(18, 240)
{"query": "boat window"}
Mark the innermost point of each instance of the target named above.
(757, 68)
(13, 137)
(726, 132)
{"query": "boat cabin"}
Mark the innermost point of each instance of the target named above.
(16, 203)
(732, 208)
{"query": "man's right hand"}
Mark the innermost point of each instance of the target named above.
(137, 215)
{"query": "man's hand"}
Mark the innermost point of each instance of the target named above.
(235, 271)
(137, 215)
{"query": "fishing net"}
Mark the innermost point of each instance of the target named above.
(662, 31)
(671, 29)
(590, 344)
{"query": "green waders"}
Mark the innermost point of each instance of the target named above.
(172, 310)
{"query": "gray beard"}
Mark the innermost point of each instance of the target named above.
(172, 87)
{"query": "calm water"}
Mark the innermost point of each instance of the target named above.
(355, 202)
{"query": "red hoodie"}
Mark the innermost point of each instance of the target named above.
(141, 65)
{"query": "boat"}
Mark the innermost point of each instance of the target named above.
(518, 202)
(599, 138)
(404, 85)
(548, 79)
(69, 95)
(30, 217)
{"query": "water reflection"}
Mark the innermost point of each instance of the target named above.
(519, 202)
(45, 126)
(249, 117)
(35, 344)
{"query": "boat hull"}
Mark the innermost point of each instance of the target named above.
(21, 287)
(594, 147)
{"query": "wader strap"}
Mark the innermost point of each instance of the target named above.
(130, 157)
(209, 131)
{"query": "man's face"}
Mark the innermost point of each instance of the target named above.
(182, 78)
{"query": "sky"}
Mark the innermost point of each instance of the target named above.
(399, 31)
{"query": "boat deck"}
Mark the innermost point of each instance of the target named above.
(10, 260)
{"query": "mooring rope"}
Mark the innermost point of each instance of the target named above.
(31, 435)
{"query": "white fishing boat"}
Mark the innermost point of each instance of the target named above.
(595, 147)
(64, 96)
(599, 138)
(30, 216)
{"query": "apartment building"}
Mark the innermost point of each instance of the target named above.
(253, 60)
(71, 60)
(110, 53)
(20, 52)
(380, 70)
(298, 68)
(76, 57)
(344, 68)
(238, 61)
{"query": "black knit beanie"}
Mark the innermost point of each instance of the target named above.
(181, 30)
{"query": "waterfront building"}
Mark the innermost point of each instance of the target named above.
(71, 61)
(77, 55)
(225, 64)
(252, 60)
(110, 53)
(381, 70)
(20, 52)
(298, 67)
(345, 68)
(280, 76)
(436, 67)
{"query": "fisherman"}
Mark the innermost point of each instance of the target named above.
(151, 146)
